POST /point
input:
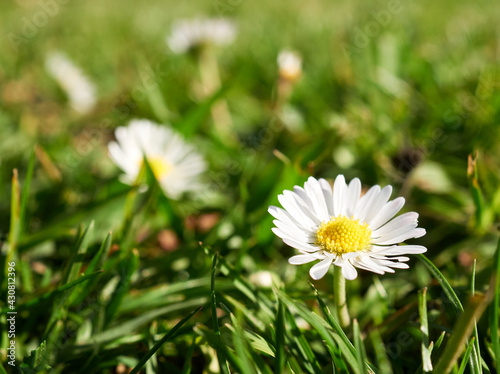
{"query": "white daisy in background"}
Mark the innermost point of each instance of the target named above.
(342, 227)
(262, 278)
(290, 65)
(175, 164)
(188, 34)
(80, 90)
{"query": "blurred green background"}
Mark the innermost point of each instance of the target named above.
(385, 88)
(393, 92)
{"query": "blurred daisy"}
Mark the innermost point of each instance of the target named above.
(262, 279)
(175, 164)
(342, 227)
(80, 90)
(290, 65)
(188, 34)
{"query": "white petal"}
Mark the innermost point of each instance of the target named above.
(301, 259)
(366, 202)
(297, 235)
(405, 233)
(348, 271)
(301, 246)
(349, 255)
(394, 264)
(388, 211)
(123, 160)
(293, 231)
(352, 199)
(361, 264)
(294, 205)
(313, 190)
(319, 270)
(400, 250)
(381, 199)
(305, 204)
(287, 218)
(375, 264)
(328, 195)
(403, 220)
(287, 235)
(292, 208)
(383, 256)
(339, 194)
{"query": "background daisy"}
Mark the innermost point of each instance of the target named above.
(187, 34)
(290, 65)
(176, 164)
(80, 90)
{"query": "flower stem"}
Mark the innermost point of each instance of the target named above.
(340, 297)
(211, 83)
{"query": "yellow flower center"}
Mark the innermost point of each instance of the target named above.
(343, 235)
(159, 166)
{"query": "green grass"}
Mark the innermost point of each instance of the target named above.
(408, 104)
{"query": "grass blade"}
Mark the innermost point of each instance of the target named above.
(477, 194)
(25, 191)
(426, 352)
(153, 92)
(131, 265)
(452, 296)
(48, 296)
(173, 219)
(217, 344)
(332, 340)
(332, 321)
(152, 364)
(494, 311)
(158, 345)
(450, 293)
(360, 348)
(467, 356)
(74, 265)
(15, 215)
(15, 226)
(439, 341)
(241, 345)
(461, 331)
(215, 321)
(249, 339)
(280, 339)
(37, 360)
(187, 361)
(97, 262)
(383, 362)
(298, 337)
(475, 357)
(190, 122)
(130, 325)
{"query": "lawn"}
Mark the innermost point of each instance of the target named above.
(117, 256)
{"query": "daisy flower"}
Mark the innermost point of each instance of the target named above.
(175, 164)
(80, 90)
(339, 226)
(262, 278)
(188, 34)
(290, 65)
